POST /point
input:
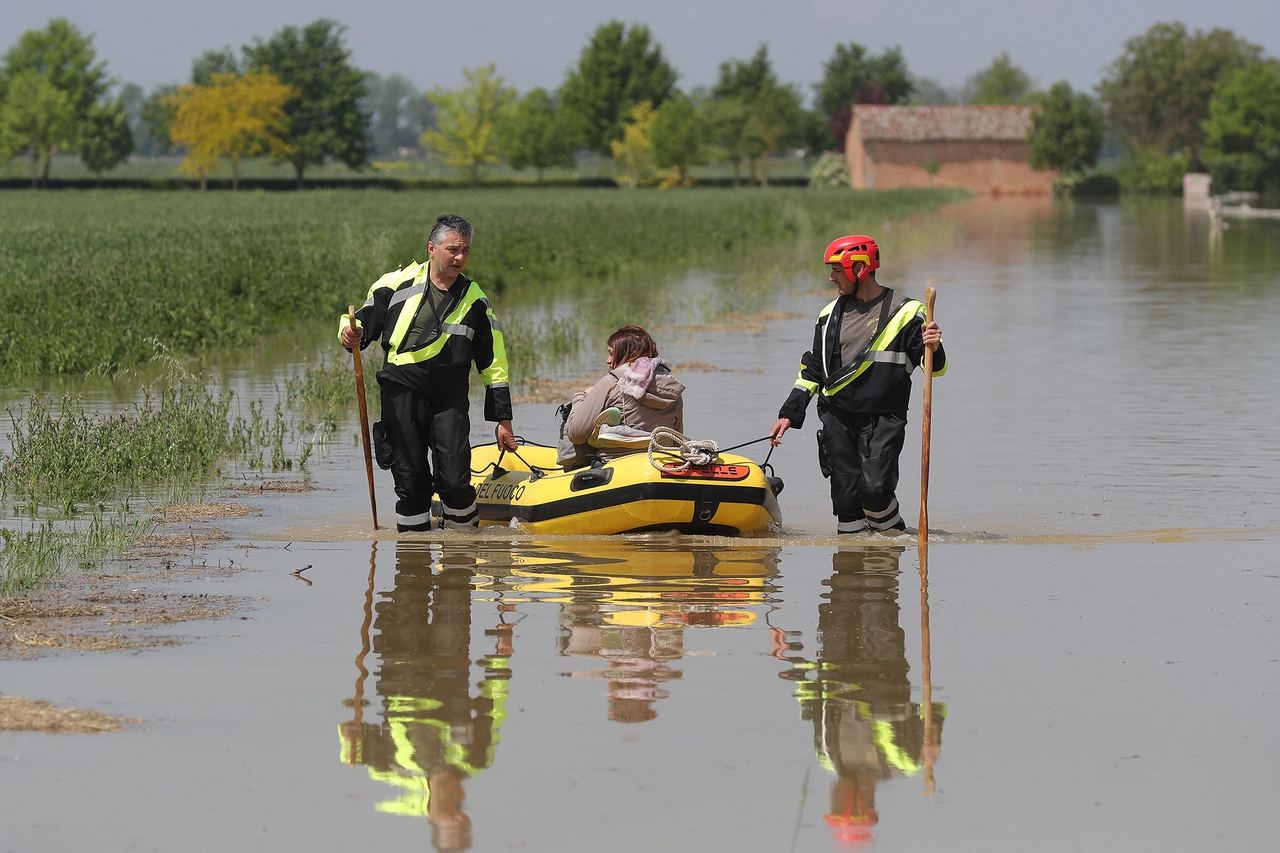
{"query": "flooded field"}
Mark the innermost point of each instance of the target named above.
(1103, 650)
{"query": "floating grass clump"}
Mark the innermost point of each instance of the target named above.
(95, 281)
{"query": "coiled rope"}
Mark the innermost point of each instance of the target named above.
(667, 442)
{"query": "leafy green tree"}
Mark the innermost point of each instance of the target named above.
(1067, 131)
(212, 62)
(852, 76)
(814, 133)
(157, 117)
(132, 98)
(1001, 82)
(106, 140)
(745, 79)
(398, 112)
(325, 119)
(1157, 93)
(1242, 134)
(36, 116)
(619, 68)
(926, 90)
(677, 135)
(772, 112)
(467, 120)
(774, 124)
(633, 153)
(724, 122)
(1152, 172)
(66, 60)
(537, 132)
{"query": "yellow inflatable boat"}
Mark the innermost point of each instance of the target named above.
(626, 495)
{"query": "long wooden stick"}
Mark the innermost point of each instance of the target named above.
(922, 545)
(930, 750)
(354, 735)
(922, 535)
(364, 420)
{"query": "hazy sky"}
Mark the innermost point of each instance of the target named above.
(533, 43)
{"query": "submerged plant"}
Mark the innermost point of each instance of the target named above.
(30, 558)
(177, 435)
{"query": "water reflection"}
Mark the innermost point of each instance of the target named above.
(436, 730)
(857, 694)
(630, 608)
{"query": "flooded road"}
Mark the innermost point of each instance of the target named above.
(1104, 650)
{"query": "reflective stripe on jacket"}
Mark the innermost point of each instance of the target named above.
(469, 332)
(880, 382)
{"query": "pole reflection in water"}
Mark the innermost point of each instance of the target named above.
(857, 694)
(436, 730)
(630, 607)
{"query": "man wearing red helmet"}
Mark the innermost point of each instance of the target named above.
(865, 345)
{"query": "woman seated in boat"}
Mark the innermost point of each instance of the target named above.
(638, 384)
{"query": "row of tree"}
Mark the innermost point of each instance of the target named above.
(53, 96)
(1174, 99)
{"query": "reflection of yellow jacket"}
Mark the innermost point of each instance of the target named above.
(847, 727)
(857, 693)
(422, 743)
(434, 725)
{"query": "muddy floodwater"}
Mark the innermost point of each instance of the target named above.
(1097, 667)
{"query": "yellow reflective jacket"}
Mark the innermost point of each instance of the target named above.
(878, 383)
(468, 332)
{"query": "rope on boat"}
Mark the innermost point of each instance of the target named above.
(668, 442)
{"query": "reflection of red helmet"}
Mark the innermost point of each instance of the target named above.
(850, 831)
(846, 251)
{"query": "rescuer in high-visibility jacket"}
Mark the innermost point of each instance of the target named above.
(865, 346)
(437, 730)
(433, 323)
(857, 693)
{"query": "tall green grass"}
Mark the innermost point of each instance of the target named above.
(32, 557)
(97, 281)
(177, 436)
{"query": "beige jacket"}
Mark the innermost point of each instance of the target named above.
(661, 404)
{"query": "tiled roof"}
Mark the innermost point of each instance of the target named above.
(942, 123)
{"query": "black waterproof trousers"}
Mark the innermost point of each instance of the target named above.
(860, 455)
(414, 420)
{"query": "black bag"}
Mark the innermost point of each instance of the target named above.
(383, 452)
(568, 454)
(824, 458)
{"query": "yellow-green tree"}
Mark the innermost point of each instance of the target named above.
(233, 117)
(633, 154)
(467, 120)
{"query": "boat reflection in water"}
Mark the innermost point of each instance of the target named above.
(436, 730)
(856, 692)
(630, 607)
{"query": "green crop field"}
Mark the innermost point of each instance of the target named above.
(97, 281)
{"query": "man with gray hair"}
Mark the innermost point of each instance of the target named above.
(433, 323)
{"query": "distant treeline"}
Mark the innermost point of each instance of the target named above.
(1174, 100)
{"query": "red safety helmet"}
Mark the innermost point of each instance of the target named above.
(848, 250)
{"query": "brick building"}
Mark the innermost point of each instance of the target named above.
(978, 148)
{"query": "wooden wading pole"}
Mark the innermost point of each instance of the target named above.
(364, 420)
(352, 730)
(922, 535)
(922, 546)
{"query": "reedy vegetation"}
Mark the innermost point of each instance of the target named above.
(76, 463)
